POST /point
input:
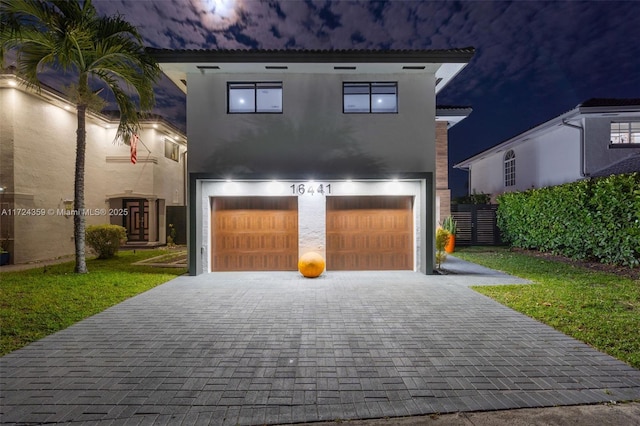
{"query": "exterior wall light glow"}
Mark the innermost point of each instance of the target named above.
(393, 186)
(13, 83)
(230, 187)
(274, 187)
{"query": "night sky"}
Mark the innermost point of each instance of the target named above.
(534, 59)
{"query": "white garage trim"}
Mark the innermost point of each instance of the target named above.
(311, 207)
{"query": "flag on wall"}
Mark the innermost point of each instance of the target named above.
(134, 149)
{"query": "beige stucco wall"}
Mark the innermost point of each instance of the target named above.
(38, 162)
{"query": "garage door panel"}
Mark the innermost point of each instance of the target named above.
(369, 233)
(254, 233)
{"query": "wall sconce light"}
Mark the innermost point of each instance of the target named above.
(67, 204)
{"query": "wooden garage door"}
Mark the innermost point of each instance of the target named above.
(369, 233)
(254, 234)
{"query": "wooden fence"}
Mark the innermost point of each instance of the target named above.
(476, 224)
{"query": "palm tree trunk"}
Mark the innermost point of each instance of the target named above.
(78, 195)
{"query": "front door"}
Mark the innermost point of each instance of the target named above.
(137, 219)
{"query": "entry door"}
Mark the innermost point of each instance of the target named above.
(137, 219)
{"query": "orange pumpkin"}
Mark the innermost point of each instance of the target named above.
(451, 244)
(311, 264)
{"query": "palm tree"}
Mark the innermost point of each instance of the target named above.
(71, 37)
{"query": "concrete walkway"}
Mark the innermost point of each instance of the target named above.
(275, 348)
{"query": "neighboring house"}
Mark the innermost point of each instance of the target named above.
(37, 163)
(293, 151)
(597, 138)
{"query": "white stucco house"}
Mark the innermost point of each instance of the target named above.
(599, 137)
(37, 162)
(330, 151)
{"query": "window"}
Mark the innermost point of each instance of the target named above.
(251, 98)
(370, 98)
(625, 133)
(510, 168)
(171, 150)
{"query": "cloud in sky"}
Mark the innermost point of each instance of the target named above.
(584, 41)
(534, 59)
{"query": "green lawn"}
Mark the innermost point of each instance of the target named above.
(41, 301)
(600, 309)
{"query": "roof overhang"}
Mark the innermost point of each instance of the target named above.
(445, 64)
(106, 119)
(452, 115)
(520, 138)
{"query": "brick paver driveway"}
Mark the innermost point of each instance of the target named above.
(256, 348)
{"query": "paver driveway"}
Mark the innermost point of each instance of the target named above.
(255, 348)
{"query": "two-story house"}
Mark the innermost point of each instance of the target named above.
(37, 163)
(599, 137)
(293, 151)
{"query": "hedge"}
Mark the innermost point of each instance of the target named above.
(595, 218)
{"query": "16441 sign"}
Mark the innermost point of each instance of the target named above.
(310, 189)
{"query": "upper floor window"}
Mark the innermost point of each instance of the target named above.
(625, 133)
(251, 98)
(171, 150)
(363, 97)
(510, 168)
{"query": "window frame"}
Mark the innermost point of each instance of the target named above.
(509, 168)
(370, 86)
(255, 86)
(631, 130)
(174, 149)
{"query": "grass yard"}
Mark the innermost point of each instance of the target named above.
(41, 301)
(599, 308)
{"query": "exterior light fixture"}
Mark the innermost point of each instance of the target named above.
(67, 205)
(13, 83)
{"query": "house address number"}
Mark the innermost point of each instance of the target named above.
(302, 189)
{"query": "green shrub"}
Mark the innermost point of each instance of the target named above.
(105, 240)
(450, 225)
(442, 238)
(590, 219)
